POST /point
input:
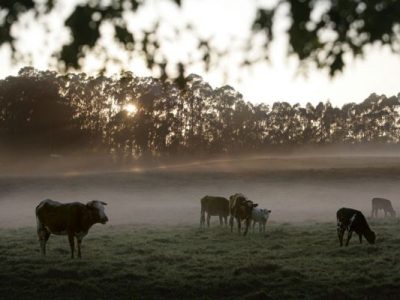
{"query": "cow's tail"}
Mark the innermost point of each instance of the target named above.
(39, 224)
(38, 207)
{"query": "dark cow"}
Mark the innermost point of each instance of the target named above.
(214, 206)
(240, 208)
(353, 220)
(382, 203)
(71, 219)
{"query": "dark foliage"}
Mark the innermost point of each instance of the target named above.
(321, 31)
(53, 113)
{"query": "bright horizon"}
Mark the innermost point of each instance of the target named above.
(378, 72)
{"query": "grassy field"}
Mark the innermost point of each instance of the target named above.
(291, 261)
(152, 247)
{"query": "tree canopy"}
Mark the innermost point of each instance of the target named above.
(89, 114)
(321, 32)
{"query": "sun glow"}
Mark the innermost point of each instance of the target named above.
(130, 108)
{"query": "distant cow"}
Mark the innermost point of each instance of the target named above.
(260, 216)
(214, 206)
(240, 208)
(353, 220)
(381, 203)
(72, 219)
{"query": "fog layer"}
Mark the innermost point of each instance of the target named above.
(294, 188)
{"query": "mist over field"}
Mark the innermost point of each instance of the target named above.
(152, 246)
(133, 104)
(300, 187)
(153, 155)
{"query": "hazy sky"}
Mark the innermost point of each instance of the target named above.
(378, 71)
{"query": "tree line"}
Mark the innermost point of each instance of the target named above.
(48, 113)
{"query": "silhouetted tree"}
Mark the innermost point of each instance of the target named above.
(34, 115)
(49, 113)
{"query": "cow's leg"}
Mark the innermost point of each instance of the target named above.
(254, 225)
(239, 225)
(349, 233)
(79, 240)
(71, 243)
(226, 221)
(43, 238)
(231, 223)
(46, 238)
(385, 212)
(208, 220)
(247, 224)
(220, 220)
(340, 232)
(202, 219)
(360, 236)
(264, 226)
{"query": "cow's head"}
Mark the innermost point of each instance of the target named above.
(238, 197)
(266, 212)
(97, 211)
(247, 206)
(370, 236)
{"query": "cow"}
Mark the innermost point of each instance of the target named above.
(381, 203)
(260, 216)
(71, 219)
(240, 208)
(353, 220)
(214, 206)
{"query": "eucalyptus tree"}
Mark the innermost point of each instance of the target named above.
(26, 123)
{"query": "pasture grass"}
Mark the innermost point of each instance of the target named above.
(290, 261)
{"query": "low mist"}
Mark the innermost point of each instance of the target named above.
(303, 187)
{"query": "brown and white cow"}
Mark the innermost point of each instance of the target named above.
(384, 204)
(240, 208)
(214, 206)
(71, 219)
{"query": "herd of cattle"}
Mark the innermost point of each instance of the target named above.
(237, 207)
(75, 219)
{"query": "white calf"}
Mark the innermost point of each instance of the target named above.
(260, 216)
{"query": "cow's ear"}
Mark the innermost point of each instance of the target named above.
(269, 211)
(90, 204)
(103, 203)
(255, 205)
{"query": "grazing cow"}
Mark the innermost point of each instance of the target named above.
(71, 219)
(381, 203)
(240, 208)
(353, 220)
(260, 216)
(214, 206)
